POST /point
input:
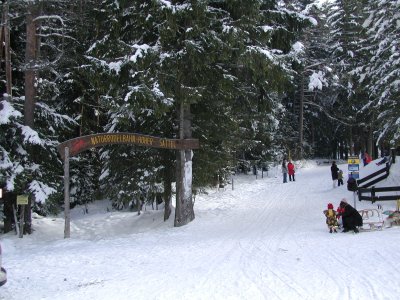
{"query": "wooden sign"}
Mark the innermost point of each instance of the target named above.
(353, 160)
(353, 167)
(83, 143)
(22, 200)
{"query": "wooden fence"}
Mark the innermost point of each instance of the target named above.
(372, 193)
(373, 178)
(366, 191)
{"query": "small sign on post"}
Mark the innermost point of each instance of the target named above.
(22, 200)
(354, 167)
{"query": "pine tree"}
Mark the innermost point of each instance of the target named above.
(31, 164)
(123, 63)
(346, 35)
(381, 74)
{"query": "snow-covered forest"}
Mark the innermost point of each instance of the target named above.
(257, 80)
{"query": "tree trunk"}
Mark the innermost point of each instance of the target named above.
(351, 142)
(167, 174)
(301, 115)
(184, 212)
(10, 200)
(167, 198)
(7, 51)
(30, 90)
(370, 142)
(30, 74)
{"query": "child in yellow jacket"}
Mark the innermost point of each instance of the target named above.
(331, 219)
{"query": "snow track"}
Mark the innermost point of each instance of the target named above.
(262, 240)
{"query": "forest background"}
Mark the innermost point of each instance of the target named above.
(259, 80)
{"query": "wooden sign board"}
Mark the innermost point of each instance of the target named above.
(80, 144)
(353, 160)
(354, 167)
(22, 200)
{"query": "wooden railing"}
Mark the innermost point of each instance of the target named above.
(374, 176)
(373, 193)
(370, 194)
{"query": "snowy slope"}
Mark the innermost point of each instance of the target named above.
(262, 240)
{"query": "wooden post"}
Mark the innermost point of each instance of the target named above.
(373, 194)
(15, 219)
(21, 222)
(67, 228)
(22, 202)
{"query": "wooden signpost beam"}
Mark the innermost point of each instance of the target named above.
(83, 143)
(75, 146)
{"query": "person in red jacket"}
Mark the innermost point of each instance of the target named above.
(367, 159)
(290, 167)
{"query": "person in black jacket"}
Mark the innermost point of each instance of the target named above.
(334, 172)
(350, 217)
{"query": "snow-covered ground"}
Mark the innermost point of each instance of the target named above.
(262, 240)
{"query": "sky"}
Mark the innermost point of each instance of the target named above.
(263, 239)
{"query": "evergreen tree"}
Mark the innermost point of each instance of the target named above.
(222, 58)
(107, 66)
(30, 160)
(124, 62)
(381, 74)
(346, 35)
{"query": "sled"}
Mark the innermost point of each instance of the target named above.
(393, 217)
(372, 219)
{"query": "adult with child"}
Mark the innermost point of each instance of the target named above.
(340, 177)
(351, 218)
(334, 173)
(290, 167)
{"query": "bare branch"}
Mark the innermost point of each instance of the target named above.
(327, 113)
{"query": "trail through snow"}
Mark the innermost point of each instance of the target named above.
(262, 240)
